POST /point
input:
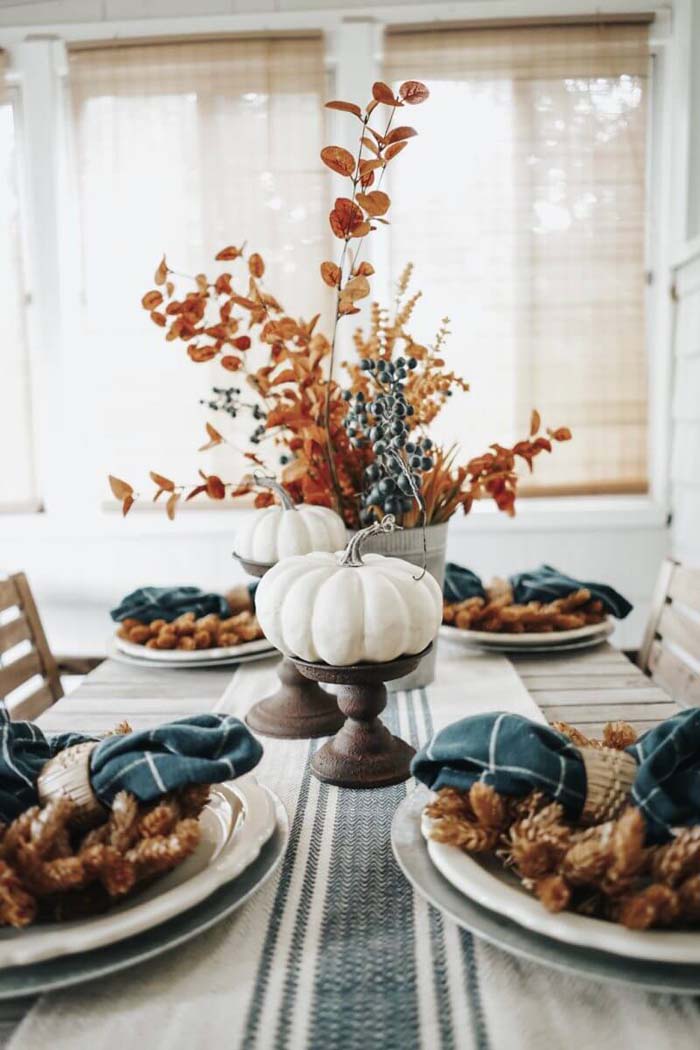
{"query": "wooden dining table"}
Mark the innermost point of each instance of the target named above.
(286, 971)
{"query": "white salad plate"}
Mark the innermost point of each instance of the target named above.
(194, 656)
(134, 661)
(591, 634)
(411, 852)
(236, 823)
(485, 881)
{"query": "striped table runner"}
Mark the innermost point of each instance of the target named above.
(337, 951)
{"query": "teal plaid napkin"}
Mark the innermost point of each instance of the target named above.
(201, 749)
(167, 603)
(516, 756)
(539, 585)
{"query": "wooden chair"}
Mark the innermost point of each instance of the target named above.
(670, 651)
(35, 659)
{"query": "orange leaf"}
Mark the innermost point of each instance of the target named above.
(286, 376)
(338, 159)
(381, 92)
(395, 148)
(362, 230)
(242, 343)
(228, 253)
(345, 217)
(535, 422)
(222, 285)
(171, 504)
(215, 487)
(560, 434)
(241, 490)
(346, 306)
(399, 134)
(374, 203)
(370, 145)
(120, 489)
(215, 438)
(162, 272)
(161, 482)
(247, 304)
(231, 363)
(200, 354)
(151, 300)
(127, 504)
(370, 165)
(357, 288)
(159, 318)
(169, 288)
(365, 269)
(346, 107)
(264, 499)
(256, 266)
(413, 92)
(330, 274)
(195, 492)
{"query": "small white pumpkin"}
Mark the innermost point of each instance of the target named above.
(342, 609)
(281, 531)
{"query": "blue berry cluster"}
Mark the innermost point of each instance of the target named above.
(384, 424)
(228, 399)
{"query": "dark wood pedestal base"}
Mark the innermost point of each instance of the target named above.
(363, 754)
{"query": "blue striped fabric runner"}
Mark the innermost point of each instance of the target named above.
(369, 969)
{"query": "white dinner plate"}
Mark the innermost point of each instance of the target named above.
(485, 881)
(538, 640)
(536, 650)
(162, 665)
(236, 824)
(191, 656)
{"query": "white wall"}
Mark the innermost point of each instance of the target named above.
(685, 472)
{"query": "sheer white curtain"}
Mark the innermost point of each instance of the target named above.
(18, 489)
(185, 148)
(522, 204)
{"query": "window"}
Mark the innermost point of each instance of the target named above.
(523, 208)
(18, 488)
(185, 148)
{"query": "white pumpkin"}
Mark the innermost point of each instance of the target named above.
(341, 609)
(281, 531)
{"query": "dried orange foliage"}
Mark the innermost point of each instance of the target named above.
(226, 315)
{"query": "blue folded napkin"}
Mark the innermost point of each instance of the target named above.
(167, 603)
(542, 585)
(545, 584)
(461, 583)
(200, 749)
(515, 756)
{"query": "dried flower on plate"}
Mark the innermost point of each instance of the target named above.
(605, 871)
(50, 869)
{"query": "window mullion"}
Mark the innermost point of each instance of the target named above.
(39, 66)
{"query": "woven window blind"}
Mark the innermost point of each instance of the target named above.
(185, 148)
(522, 204)
(17, 479)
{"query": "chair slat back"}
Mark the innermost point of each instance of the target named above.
(670, 651)
(29, 678)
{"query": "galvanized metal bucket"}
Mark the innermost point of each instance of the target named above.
(408, 544)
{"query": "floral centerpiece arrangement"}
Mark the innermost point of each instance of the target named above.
(361, 445)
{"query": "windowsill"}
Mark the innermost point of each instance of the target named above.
(570, 514)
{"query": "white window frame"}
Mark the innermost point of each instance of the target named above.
(38, 63)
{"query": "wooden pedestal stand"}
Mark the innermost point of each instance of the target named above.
(299, 709)
(363, 754)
